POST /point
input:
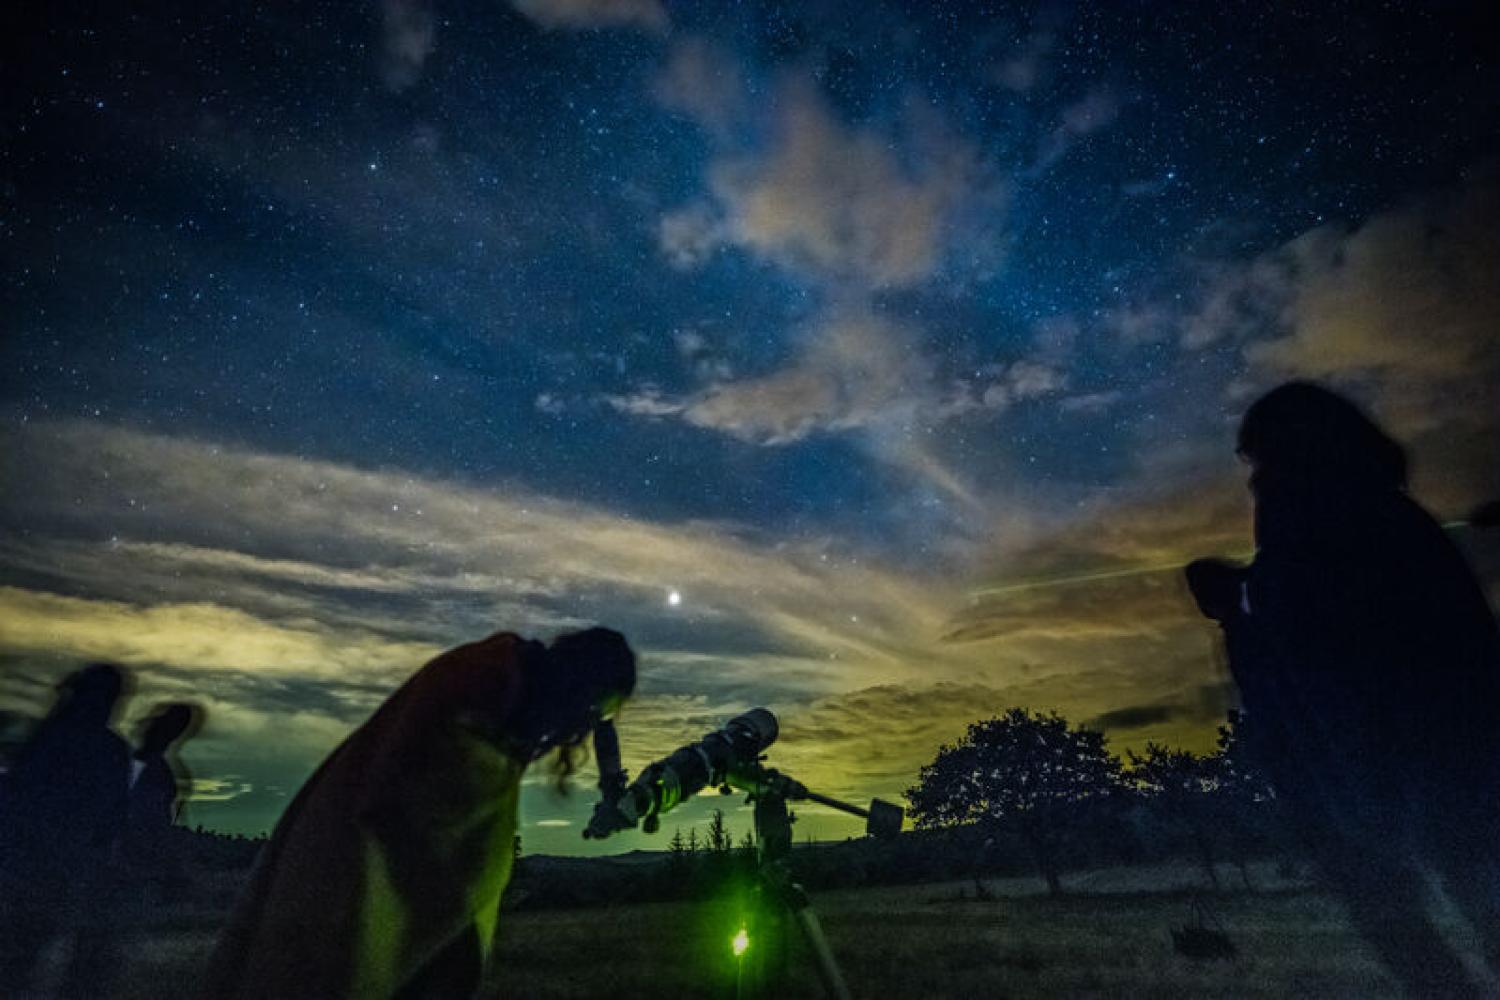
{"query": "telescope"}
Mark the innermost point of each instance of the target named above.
(727, 758)
(733, 757)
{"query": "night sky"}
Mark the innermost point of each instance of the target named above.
(870, 361)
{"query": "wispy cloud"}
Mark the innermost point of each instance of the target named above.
(579, 15)
(837, 201)
(199, 635)
(355, 577)
(855, 210)
(1398, 310)
(219, 789)
(1091, 113)
(1025, 66)
(856, 372)
(453, 560)
(702, 80)
(1408, 301)
(408, 36)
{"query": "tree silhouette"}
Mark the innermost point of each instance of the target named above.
(1181, 787)
(1243, 794)
(679, 873)
(720, 840)
(1025, 771)
(1240, 777)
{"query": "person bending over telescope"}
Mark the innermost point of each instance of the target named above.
(383, 878)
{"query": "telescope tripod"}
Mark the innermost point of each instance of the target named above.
(776, 901)
(777, 898)
(731, 759)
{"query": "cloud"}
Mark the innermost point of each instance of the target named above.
(1099, 593)
(549, 404)
(1021, 381)
(648, 402)
(1240, 300)
(361, 570)
(690, 235)
(1408, 301)
(199, 635)
(1133, 717)
(865, 742)
(855, 211)
(1398, 311)
(1207, 705)
(136, 549)
(1096, 110)
(856, 372)
(1091, 402)
(408, 37)
(219, 789)
(1143, 323)
(580, 15)
(702, 81)
(1024, 68)
(293, 639)
(844, 204)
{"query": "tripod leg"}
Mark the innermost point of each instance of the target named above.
(828, 967)
(781, 896)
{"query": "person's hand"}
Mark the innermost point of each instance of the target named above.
(1216, 586)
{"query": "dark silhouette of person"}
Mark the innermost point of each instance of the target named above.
(1368, 663)
(62, 806)
(160, 785)
(383, 878)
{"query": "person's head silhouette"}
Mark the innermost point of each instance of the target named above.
(1301, 435)
(89, 696)
(167, 724)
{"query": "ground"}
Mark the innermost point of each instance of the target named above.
(1109, 937)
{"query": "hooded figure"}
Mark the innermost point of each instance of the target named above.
(1368, 663)
(384, 876)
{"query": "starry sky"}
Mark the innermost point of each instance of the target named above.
(875, 362)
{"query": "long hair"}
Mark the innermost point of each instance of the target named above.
(1303, 435)
(564, 760)
(584, 667)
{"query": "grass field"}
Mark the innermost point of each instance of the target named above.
(1108, 938)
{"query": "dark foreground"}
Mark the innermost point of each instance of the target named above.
(1111, 937)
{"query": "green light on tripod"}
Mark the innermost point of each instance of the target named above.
(740, 943)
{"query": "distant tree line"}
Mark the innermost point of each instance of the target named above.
(693, 866)
(1034, 779)
(701, 868)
